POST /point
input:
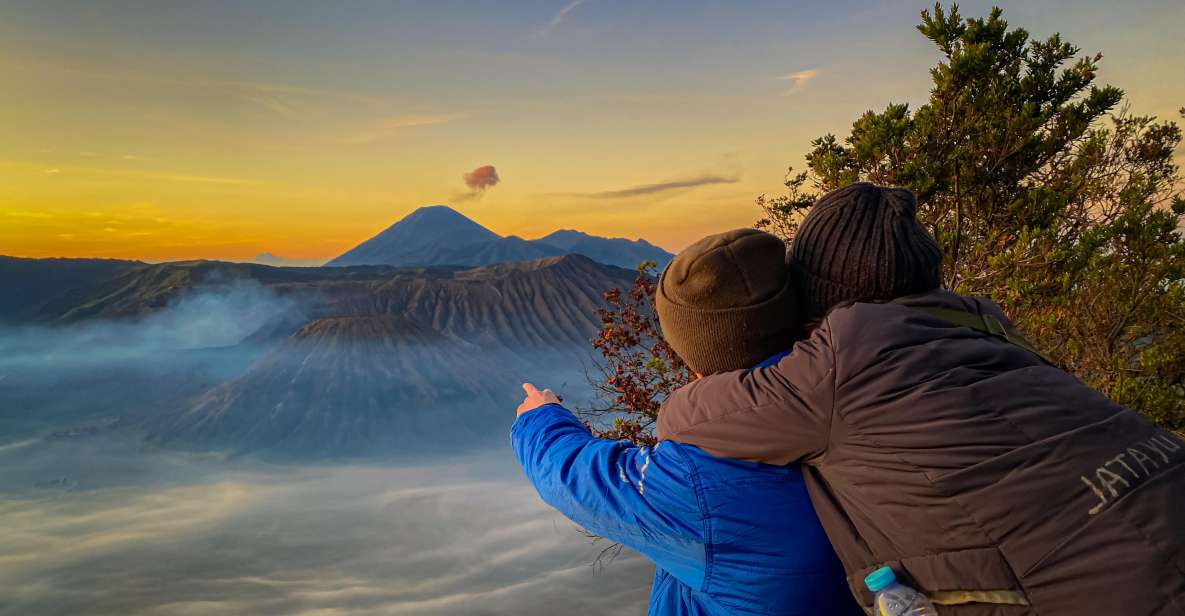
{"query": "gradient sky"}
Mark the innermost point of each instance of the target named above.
(217, 129)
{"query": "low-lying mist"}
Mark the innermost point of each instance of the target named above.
(55, 376)
(210, 317)
(199, 536)
(100, 518)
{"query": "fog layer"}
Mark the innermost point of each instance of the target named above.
(97, 519)
(194, 537)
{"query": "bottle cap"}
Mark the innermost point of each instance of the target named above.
(880, 579)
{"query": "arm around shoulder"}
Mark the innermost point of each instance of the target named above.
(777, 415)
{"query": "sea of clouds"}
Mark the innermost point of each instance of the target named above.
(183, 534)
(98, 521)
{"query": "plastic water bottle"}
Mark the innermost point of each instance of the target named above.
(892, 598)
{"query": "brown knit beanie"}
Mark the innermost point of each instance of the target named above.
(725, 302)
(863, 242)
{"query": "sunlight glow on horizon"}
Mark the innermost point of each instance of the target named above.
(223, 132)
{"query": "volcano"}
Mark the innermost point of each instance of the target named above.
(354, 386)
(438, 235)
(612, 251)
(337, 362)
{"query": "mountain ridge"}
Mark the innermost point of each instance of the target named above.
(349, 387)
(347, 361)
(440, 235)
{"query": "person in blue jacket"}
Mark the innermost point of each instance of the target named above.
(726, 536)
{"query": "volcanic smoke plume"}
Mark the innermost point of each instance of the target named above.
(481, 178)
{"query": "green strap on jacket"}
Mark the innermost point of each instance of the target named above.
(986, 324)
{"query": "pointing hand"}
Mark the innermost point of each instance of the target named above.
(536, 398)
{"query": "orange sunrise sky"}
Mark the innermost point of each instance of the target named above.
(222, 130)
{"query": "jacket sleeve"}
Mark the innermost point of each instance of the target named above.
(780, 414)
(645, 499)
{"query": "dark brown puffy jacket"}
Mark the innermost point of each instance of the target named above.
(995, 483)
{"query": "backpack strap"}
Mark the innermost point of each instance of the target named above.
(986, 324)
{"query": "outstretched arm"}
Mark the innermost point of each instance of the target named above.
(645, 499)
(778, 415)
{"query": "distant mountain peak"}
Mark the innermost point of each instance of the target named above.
(413, 239)
(561, 234)
(568, 232)
(440, 235)
(438, 210)
(617, 251)
(439, 214)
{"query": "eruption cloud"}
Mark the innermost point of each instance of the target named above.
(481, 178)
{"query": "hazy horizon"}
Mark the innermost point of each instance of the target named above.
(222, 131)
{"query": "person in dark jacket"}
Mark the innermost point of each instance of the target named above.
(936, 441)
(726, 536)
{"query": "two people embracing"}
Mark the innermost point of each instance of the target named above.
(849, 415)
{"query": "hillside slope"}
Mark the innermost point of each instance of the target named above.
(343, 362)
(441, 236)
(33, 287)
(417, 238)
(613, 251)
(349, 387)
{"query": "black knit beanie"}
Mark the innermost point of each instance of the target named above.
(863, 242)
(725, 302)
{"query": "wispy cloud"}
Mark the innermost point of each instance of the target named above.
(660, 187)
(170, 177)
(167, 176)
(560, 16)
(264, 87)
(277, 104)
(198, 179)
(284, 99)
(287, 100)
(390, 126)
(267, 258)
(799, 80)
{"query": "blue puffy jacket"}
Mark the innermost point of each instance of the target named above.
(727, 537)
